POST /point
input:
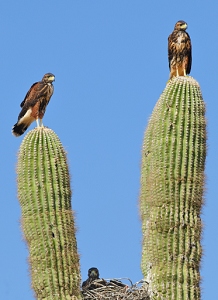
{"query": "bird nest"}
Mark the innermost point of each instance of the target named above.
(116, 289)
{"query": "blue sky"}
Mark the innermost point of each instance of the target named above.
(110, 63)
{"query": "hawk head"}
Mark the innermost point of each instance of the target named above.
(93, 273)
(48, 77)
(181, 25)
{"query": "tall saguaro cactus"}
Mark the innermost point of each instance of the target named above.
(47, 219)
(172, 186)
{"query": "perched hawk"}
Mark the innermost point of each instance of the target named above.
(179, 50)
(93, 280)
(34, 104)
(93, 274)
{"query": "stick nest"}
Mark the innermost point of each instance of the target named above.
(115, 289)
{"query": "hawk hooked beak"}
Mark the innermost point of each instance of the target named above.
(51, 78)
(184, 26)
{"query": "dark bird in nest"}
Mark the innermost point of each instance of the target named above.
(93, 280)
(179, 50)
(116, 282)
(34, 104)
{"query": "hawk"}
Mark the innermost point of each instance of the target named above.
(93, 280)
(93, 274)
(179, 50)
(34, 104)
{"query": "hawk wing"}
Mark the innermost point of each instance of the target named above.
(171, 47)
(188, 52)
(37, 91)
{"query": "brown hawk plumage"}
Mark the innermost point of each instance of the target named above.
(179, 50)
(34, 104)
(93, 274)
(93, 281)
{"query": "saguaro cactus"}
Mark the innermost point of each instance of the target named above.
(172, 186)
(47, 219)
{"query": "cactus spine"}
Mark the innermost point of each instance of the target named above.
(172, 186)
(47, 219)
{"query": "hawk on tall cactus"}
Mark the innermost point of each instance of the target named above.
(179, 50)
(34, 104)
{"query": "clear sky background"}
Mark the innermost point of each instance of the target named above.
(110, 62)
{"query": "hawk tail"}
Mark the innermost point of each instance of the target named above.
(19, 129)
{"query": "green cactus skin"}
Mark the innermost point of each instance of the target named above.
(172, 188)
(47, 218)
